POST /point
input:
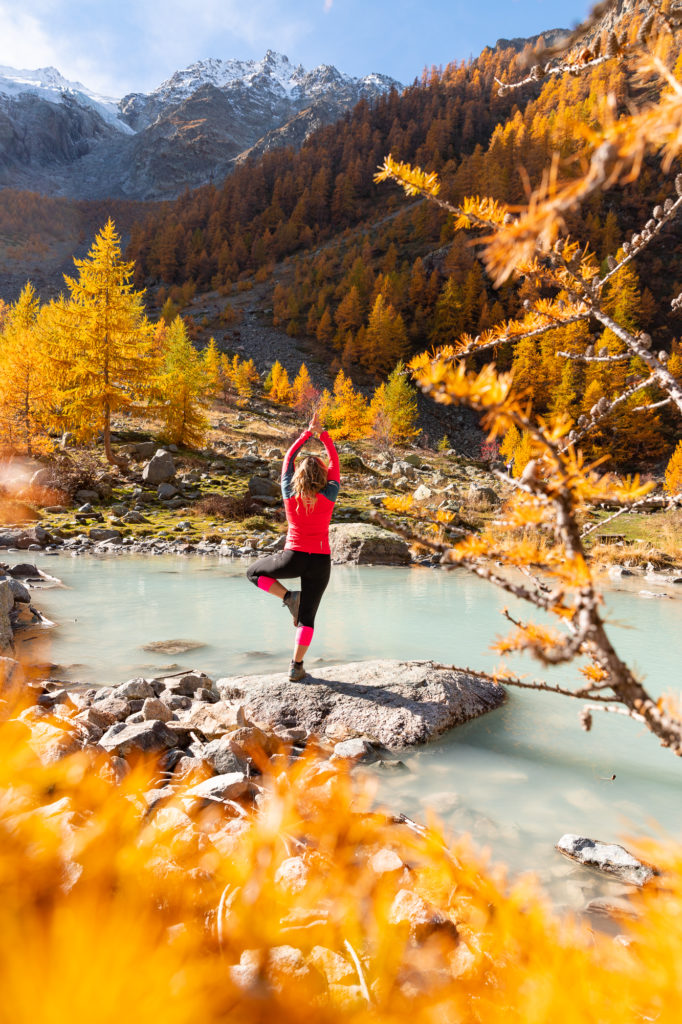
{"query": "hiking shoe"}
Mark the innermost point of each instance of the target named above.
(292, 602)
(296, 672)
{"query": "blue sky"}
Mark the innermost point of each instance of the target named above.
(133, 45)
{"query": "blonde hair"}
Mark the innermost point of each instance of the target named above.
(309, 479)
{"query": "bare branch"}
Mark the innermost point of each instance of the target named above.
(662, 215)
(576, 436)
(664, 378)
(617, 709)
(626, 510)
(654, 405)
(578, 357)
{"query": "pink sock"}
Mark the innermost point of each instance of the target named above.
(304, 635)
(265, 582)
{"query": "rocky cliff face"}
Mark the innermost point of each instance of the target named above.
(60, 138)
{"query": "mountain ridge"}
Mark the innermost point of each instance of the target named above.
(191, 130)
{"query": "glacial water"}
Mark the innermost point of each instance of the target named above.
(515, 779)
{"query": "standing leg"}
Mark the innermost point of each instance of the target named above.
(314, 580)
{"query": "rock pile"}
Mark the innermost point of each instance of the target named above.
(360, 712)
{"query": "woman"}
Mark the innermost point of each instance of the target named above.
(309, 490)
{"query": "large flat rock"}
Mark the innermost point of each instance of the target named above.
(395, 703)
(366, 544)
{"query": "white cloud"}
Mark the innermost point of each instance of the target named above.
(116, 47)
(211, 24)
(23, 41)
(328, 4)
(35, 39)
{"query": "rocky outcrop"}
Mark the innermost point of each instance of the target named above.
(359, 713)
(364, 544)
(609, 858)
(394, 703)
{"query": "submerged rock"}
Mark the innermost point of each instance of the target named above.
(365, 544)
(173, 646)
(394, 703)
(609, 858)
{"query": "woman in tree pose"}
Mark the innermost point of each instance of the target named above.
(309, 490)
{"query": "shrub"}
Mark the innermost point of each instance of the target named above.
(225, 506)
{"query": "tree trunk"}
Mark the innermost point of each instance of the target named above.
(111, 458)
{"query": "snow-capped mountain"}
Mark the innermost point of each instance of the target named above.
(48, 84)
(62, 138)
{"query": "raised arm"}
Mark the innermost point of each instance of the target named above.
(289, 464)
(331, 491)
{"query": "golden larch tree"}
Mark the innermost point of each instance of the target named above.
(24, 378)
(106, 343)
(182, 388)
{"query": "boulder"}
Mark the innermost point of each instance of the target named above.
(422, 495)
(608, 858)
(393, 703)
(214, 720)
(403, 469)
(104, 533)
(153, 708)
(357, 750)
(159, 469)
(6, 605)
(222, 787)
(42, 478)
(220, 755)
(144, 449)
(25, 570)
(86, 495)
(141, 737)
(365, 544)
(186, 685)
(484, 495)
(135, 689)
(21, 593)
(166, 491)
(262, 487)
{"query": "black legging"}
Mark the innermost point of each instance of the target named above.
(314, 571)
